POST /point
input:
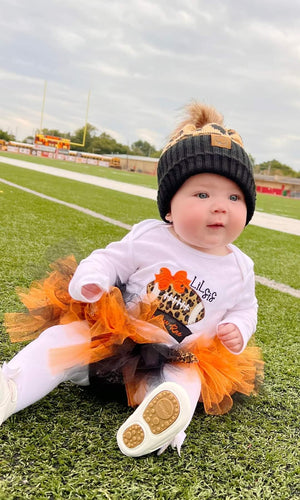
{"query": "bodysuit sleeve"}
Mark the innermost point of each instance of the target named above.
(105, 268)
(244, 313)
(110, 266)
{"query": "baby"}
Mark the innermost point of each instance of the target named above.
(179, 331)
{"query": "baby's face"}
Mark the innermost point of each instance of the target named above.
(208, 212)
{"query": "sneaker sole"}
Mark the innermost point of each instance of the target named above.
(162, 414)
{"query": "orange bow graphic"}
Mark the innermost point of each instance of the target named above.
(165, 279)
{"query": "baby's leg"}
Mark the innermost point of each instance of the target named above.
(29, 370)
(187, 376)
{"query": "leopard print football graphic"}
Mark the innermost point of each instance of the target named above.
(176, 298)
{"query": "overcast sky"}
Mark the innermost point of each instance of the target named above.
(143, 60)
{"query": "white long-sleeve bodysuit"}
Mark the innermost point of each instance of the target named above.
(223, 286)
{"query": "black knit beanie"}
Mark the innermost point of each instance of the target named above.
(209, 149)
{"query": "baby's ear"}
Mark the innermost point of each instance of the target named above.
(168, 217)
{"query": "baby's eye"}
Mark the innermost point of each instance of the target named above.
(234, 197)
(202, 195)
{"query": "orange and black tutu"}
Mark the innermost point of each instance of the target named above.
(129, 344)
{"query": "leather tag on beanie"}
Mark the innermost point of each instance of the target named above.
(221, 141)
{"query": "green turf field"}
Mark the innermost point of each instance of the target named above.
(64, 446)
(288, 207)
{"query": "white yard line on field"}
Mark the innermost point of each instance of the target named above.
(261, 219)
(122, 187)
(260, 279)
(278, 286)
(86, 211)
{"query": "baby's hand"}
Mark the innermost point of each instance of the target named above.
(230, 336)
(90, 291)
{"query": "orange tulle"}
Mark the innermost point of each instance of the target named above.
(48, 303)
(111, 327)
(223, 373)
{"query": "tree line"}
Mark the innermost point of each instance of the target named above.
(100, 144)
(274, 167)
(105, 144)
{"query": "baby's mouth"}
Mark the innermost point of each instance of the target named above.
(216, 225)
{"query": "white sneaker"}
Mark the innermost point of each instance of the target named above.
(8, 397)
(164, 413)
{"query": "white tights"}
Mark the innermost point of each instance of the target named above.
(30, 370)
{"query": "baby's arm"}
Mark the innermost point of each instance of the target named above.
(91, 279)
(231, 337)
(239, 322)
(102, 269)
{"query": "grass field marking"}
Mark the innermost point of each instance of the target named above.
(276, 223)
(260, 279)
(277, 286)
(260, 219)
(122, 187)
(86, 211)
